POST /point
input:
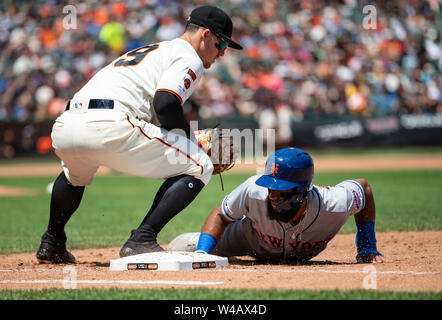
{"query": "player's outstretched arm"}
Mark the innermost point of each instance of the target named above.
(365, 236)
(212, 230)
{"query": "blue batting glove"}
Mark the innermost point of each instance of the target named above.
(366, 242)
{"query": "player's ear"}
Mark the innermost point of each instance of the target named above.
(205, 34)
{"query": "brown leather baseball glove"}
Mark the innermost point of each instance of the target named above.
(219, 146)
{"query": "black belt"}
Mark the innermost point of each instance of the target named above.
(97, 104)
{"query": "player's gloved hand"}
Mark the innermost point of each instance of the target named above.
(203, 138)
(219, 146)
(366, 244)
(206, 243)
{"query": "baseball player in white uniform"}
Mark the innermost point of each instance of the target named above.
(282, 215)
(129, 118)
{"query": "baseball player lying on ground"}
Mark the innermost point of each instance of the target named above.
(282, 215)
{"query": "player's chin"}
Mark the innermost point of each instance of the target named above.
(275, 215)
(207, 65)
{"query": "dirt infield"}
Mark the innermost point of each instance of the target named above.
(416, 265)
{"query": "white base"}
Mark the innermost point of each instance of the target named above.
(168, 261)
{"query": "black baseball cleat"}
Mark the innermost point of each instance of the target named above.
(53, 251)
(131, 248)
(50, 254)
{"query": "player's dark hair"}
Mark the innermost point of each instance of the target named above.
(191, 28)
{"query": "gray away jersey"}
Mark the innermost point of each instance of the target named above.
(327, 211)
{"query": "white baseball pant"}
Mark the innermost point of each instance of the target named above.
(85, 139)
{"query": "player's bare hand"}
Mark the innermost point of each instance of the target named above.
(372, 258)
(381, 259)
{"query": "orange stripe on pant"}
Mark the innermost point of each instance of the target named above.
(166, 144)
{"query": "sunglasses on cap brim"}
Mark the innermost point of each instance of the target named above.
(222, 45)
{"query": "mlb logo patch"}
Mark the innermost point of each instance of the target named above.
(78, 105)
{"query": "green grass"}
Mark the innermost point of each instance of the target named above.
(405, 200)
(114, 205)
(111, 207)
(210, 294)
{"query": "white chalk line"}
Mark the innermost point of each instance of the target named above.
(254, 270)
(44, 270)
(183, 283)
(197, 283)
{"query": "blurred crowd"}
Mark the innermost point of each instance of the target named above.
(301, 59)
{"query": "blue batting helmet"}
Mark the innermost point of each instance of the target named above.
(287, 168)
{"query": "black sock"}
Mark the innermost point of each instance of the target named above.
(174, 195)
(65, 199)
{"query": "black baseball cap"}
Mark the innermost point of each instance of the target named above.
(216, 20)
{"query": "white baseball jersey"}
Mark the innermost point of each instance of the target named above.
(133, 79)
(128, 138)
(327, 211)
